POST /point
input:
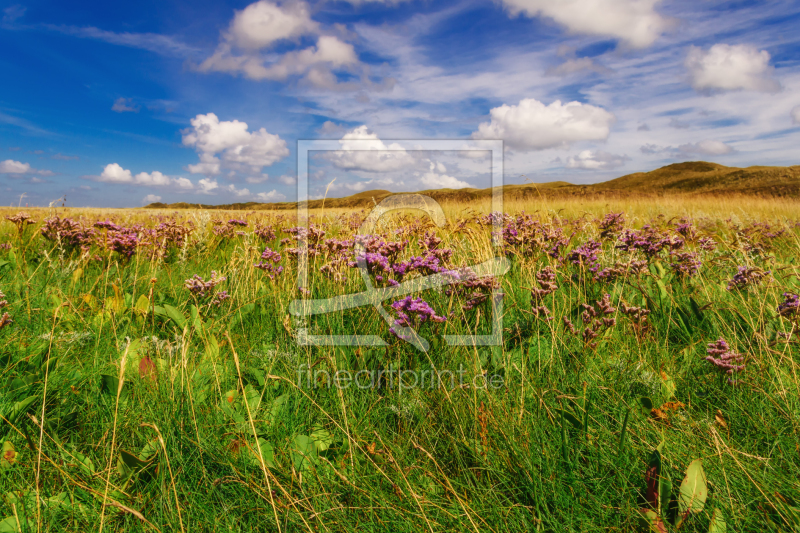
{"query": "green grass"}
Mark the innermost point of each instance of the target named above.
(213, 432)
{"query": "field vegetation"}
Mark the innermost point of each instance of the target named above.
(151, 376)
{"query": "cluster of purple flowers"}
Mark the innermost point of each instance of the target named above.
(585, 255)
(412, 312)
(527, 236)
(790, 307)
(611, 225)
(265, 233)
(724, 359)
(468, 285)
(637, 314)
(5, 320)
(686, 264)
(21, 220)
(546, 278)
(649, 240)
(205, 290)
(68, 232)
(268, 263)
(747, 277)
(621, 270)
(595, 318)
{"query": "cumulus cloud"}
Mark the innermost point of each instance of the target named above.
(705, 148)
(124, 105)
(271, 196)
(151, 199)
(236, 147)
(243, 47)
(436, 178)
(633, 21)
(287, 180)
(531, 125)
(18, 169)
(114, 173)
(207, 185)
(362, 150)
(596, 160)
(796, 115)
(727, 67)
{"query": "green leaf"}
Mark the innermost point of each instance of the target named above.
(8, 456)
(277, 407)
(693, 491)
(142, 306)
(253, 399)
(717, 523)
(19, 408)
(646, 405)
(572, 419)
(109, 385)
(176, 316)
(9, 525)
(85, 464)
(77, 274)
(267, 453)
(650, 521)
(322, 439)
(304, 452)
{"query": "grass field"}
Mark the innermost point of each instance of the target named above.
(647, 377)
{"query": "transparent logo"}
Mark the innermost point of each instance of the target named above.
(375, 296)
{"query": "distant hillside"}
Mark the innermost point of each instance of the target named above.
(697, 177)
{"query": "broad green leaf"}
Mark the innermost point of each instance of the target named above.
(19, 408)
(176, 316)
(693, 491)
(304, 452)
(267, 453)
(322, 439)
(646, 404)
(650, 521)
(717, 523)
(85, 464)
(142, 306)
(8, 456)
(10, 525)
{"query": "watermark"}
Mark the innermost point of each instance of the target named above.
(400, 379)
(375, 296)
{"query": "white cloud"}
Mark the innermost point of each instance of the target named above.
(237, 146)
(151, 199)
(287, 180)
(730, 67)
(596, 160)
(531, 125)
(271, 196)
(436, 179)
(9, 166)
(123, 105)
(114, 173)
(12, 13)
(238, 192)
(634, 21)
(796, 115)
(262, 24)
(207, 185)
(17, 169)
(705, 148)
(257, 179)
(370, 156)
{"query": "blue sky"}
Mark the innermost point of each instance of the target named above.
(122, 104)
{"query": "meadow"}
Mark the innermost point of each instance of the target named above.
(647, 378)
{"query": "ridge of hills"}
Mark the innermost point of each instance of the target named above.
(689, 178)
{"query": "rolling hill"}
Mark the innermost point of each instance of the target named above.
(690, 178)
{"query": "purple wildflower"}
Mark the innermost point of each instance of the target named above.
(203, 289)
(747, 277)
(414, 311)
(686, 264)
(585, 254)
(5, 320)
(611, 224)
(268, 265)
(725, 360)
(790, 306)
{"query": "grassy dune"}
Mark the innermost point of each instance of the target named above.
(133, 400)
